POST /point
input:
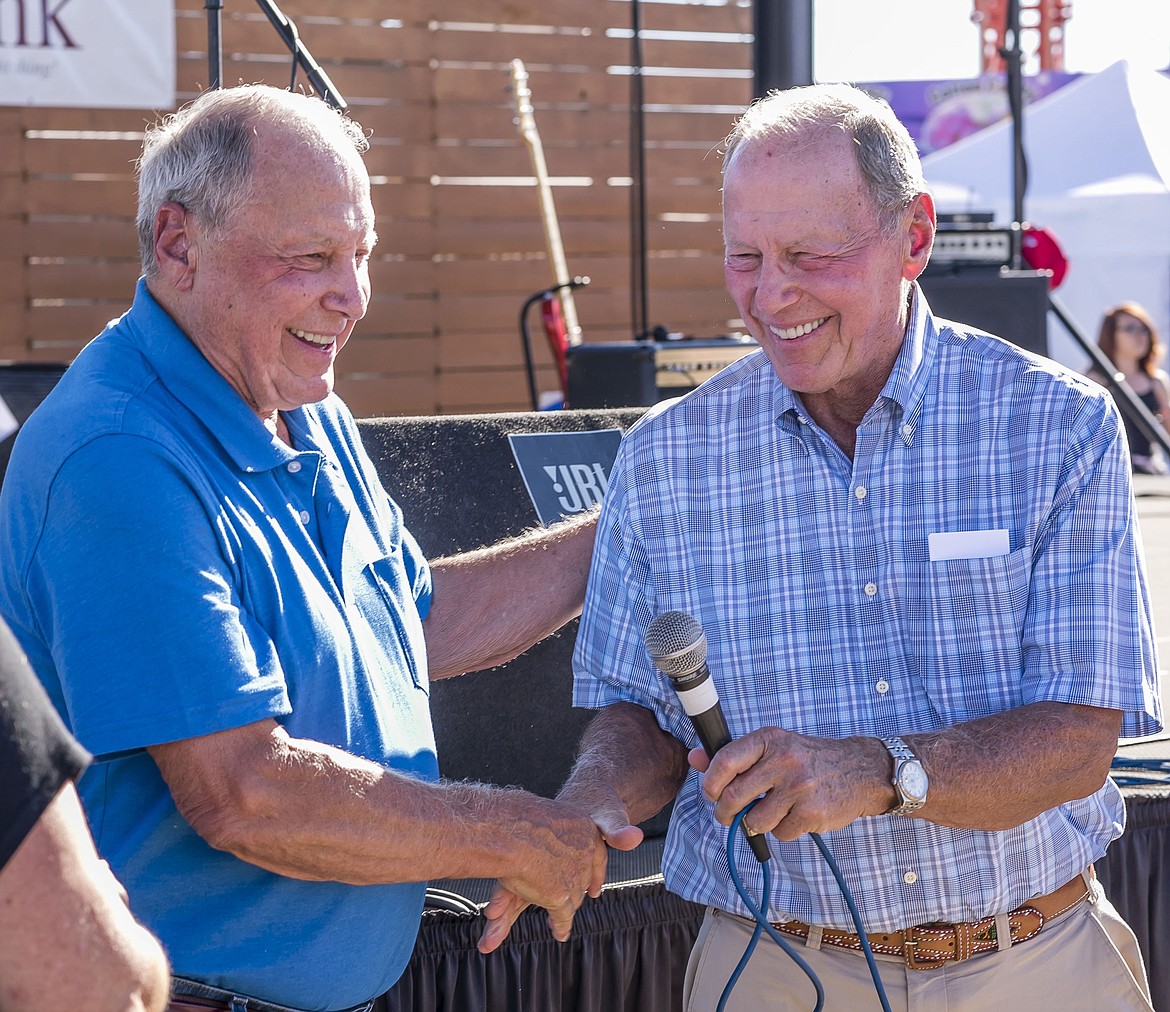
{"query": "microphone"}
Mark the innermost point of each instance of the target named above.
(677, 645)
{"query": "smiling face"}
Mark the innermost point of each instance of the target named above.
(817, 281)
(271, 298)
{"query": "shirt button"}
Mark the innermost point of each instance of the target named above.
(861, 492)
(304, 516)
(910, 878)
(294, 466)
(882, 686)
(871, 590)
(907, 431)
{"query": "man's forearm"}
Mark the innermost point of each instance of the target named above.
(307, 810)
(67, 937)
(626, 753)
(492, 604)
(1000, 771)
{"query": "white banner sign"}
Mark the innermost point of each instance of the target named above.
(96, 54)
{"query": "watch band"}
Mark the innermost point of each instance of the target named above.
(898, 748)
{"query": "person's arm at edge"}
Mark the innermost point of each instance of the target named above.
(491, 604)
(627, 770)
(67, 938)
(1162, 391)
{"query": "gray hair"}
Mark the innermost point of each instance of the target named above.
(886, 154)
(201, 156)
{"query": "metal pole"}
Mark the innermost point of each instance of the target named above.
(214, 10)
(639, 287)
(783, 50)
(1013, 56)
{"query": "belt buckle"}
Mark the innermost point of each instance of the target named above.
(911, 956)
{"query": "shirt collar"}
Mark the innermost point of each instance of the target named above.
(907, 383)
(908, 380)
(196, 384)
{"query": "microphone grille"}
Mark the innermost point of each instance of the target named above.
(676, 643)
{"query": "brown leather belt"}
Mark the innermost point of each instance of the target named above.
(929, 946)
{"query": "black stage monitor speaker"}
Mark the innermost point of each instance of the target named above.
(612, 375)
(1010, 304)
(457, 482)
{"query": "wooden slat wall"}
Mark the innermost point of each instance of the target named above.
(461, 241)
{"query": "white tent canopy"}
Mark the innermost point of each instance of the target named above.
(1098, 154)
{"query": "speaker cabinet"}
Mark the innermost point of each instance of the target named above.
(641, 373)
(1010, 304)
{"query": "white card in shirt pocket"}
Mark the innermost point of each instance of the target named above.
(945, 545)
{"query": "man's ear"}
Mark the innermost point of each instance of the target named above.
(174, 245)
(921, 236)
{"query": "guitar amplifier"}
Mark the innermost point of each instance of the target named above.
(962, 244)
(641, 373)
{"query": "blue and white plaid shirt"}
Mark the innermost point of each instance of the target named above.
(824, 613)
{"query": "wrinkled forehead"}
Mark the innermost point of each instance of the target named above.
(292, 164)
(301, 189)
(780, 195)
(779, 172)
(812, 144)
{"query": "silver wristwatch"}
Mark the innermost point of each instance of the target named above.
(910, 779)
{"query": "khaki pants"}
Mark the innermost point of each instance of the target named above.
(1086, 960)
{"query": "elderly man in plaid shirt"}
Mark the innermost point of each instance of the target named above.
(913, 550)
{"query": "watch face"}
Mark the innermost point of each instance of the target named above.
(912, 780)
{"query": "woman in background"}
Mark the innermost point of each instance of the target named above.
(1130, 341)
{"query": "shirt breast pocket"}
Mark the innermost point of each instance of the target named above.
(972, 627)
(378, 587)
(388, 576)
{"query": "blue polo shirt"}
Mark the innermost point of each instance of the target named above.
(173, 570)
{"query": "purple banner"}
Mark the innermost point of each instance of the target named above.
(938, 113)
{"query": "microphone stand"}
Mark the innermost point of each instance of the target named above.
(1130, 404)
(288, 32)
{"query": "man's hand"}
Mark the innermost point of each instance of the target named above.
(809, 785)
(612, 828)
(627, 769)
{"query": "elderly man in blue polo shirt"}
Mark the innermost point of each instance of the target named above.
(226, 607)
(913, 552)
